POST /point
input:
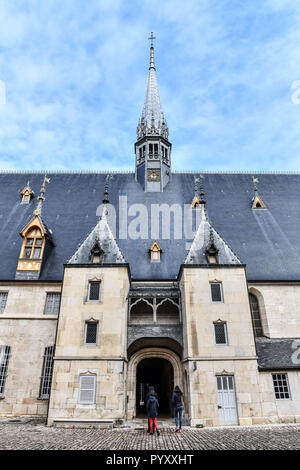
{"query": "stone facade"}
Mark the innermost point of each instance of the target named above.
(106, 359)
(279, 302)
(25, 328)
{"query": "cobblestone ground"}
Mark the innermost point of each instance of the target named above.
(37, 436)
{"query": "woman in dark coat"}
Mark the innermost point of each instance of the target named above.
(177, 403)
(152, 411)
(151, 388)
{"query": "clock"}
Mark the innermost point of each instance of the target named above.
(153, 175)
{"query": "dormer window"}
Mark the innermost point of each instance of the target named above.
(26, 194)
(155, 251)
(212, 254)
(257, 203)
(96, 254)
(196, 202)
(32, 245)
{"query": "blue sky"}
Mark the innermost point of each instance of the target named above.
(75, 75)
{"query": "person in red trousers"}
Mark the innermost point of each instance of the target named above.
(152, 410)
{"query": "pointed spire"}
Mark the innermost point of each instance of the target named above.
(152, 121)
(41, 197)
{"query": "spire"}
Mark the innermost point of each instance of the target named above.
(41, 197)
(152, 121)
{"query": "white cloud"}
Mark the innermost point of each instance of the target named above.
(75, 75)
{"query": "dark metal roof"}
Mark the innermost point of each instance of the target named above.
(276, 354)
(267, 241)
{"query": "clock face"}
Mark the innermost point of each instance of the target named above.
(153, 175)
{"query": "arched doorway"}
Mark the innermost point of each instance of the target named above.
(159, 373)
(160, 365)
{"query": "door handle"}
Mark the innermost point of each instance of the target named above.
(219, 406)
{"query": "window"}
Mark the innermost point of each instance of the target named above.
(33, 244)
(255, 313)
(3, 300)
(281, 386)
(87, 389)
(257, 203)
(155, 252)
(94, 290)
(91, 332)
(46, 372)
(96, 255)
(216, 292)
(220, 333)
(26, 194)
(151, 150)
(4, 357)
(52, 303)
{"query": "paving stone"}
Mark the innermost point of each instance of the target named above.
(31, 435)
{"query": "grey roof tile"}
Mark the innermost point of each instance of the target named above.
(267, 241)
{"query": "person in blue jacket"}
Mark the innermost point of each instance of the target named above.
(152, 411)
(177, 402)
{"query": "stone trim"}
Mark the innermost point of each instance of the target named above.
(221, 358)
(136, 358)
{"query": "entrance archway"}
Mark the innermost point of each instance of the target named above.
(138, 368)
(159, 373)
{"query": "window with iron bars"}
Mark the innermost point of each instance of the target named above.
(216, 292)
(94, 290)
(46, 373)
(281, 387)
(4, 357)
(3, 300)
(220, 333)
(52, 303)
(91, 332)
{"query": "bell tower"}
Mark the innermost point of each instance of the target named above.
(152, 148)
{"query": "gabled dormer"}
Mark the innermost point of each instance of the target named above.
(26, 194)
(36, 243)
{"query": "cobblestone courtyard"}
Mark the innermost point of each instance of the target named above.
(37, 436)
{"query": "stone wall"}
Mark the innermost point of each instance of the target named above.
(27, 331)
(279, 308)
(105, 359)
(203, 358)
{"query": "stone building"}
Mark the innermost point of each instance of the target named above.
(173, 278)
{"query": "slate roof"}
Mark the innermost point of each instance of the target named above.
(267, 241)
(205, 237)
(278, 354)
(103, 237)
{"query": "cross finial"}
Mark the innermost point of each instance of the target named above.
(151, 38)
(255, 180)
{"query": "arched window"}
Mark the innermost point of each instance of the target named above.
(255, 313)
(33, 244)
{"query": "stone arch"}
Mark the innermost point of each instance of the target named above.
(262, 310)
(136, 358)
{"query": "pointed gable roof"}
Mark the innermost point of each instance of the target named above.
(205, 236)
(102, 236)
(37, 221)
